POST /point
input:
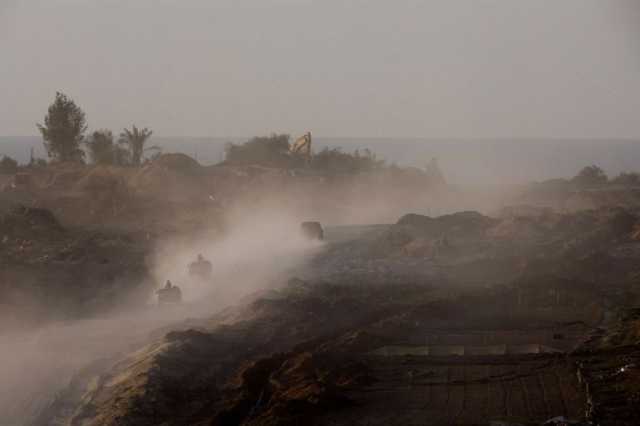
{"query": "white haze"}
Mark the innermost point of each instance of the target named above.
(256, 253)
(433, 69)
(260, 249)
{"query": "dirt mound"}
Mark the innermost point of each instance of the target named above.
(50, 272)
(423, 236)
(420, 247)
(63, 176)
(291, 388)
(621, 222)
(29, 222)
(461, 223)
(177, 162)
(102, 178)
(19, 181)
(521, 227)
(523, 210)
(608, 222)
(172, 177)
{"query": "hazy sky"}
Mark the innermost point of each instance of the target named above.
(430, 68)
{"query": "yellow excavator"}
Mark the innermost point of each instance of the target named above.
(302, 147)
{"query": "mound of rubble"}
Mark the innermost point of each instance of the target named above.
(422, 235)
(324, 354)
(170, 177)
(456, 224)
(103, 178)
(178, 162)
(25, 222)
(62, 177)
(48, 271)
(513, 323)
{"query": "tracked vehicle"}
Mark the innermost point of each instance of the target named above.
(201, 269)
(312, 230)
(169, 294)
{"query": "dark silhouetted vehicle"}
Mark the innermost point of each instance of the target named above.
(201, 269)
(169, 294)
(312, 230)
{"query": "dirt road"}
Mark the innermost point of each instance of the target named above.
(37, 365)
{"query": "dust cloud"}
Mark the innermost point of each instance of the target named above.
(256, 252)
(250, 255)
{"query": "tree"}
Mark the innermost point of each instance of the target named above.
(335, 160)
(8, 165)
(272, 151)
(63, 129)
(591, 175)
(627, 179)
(103, 150)
(135, 140)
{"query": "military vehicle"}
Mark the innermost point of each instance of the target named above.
(312, 230)
(201, 269)
(169, 294)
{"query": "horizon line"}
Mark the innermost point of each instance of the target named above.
(401, 138)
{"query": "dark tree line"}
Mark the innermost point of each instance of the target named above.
(275, 151)
(270, 151)
(335, 160)
(63, 133)
(595, 176)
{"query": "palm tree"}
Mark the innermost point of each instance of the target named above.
(135, 139)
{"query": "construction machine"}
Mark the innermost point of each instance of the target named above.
(302, 147)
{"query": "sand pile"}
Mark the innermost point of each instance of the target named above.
(172, 177)
(423, 236)
(103, 178)
(457, 224)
